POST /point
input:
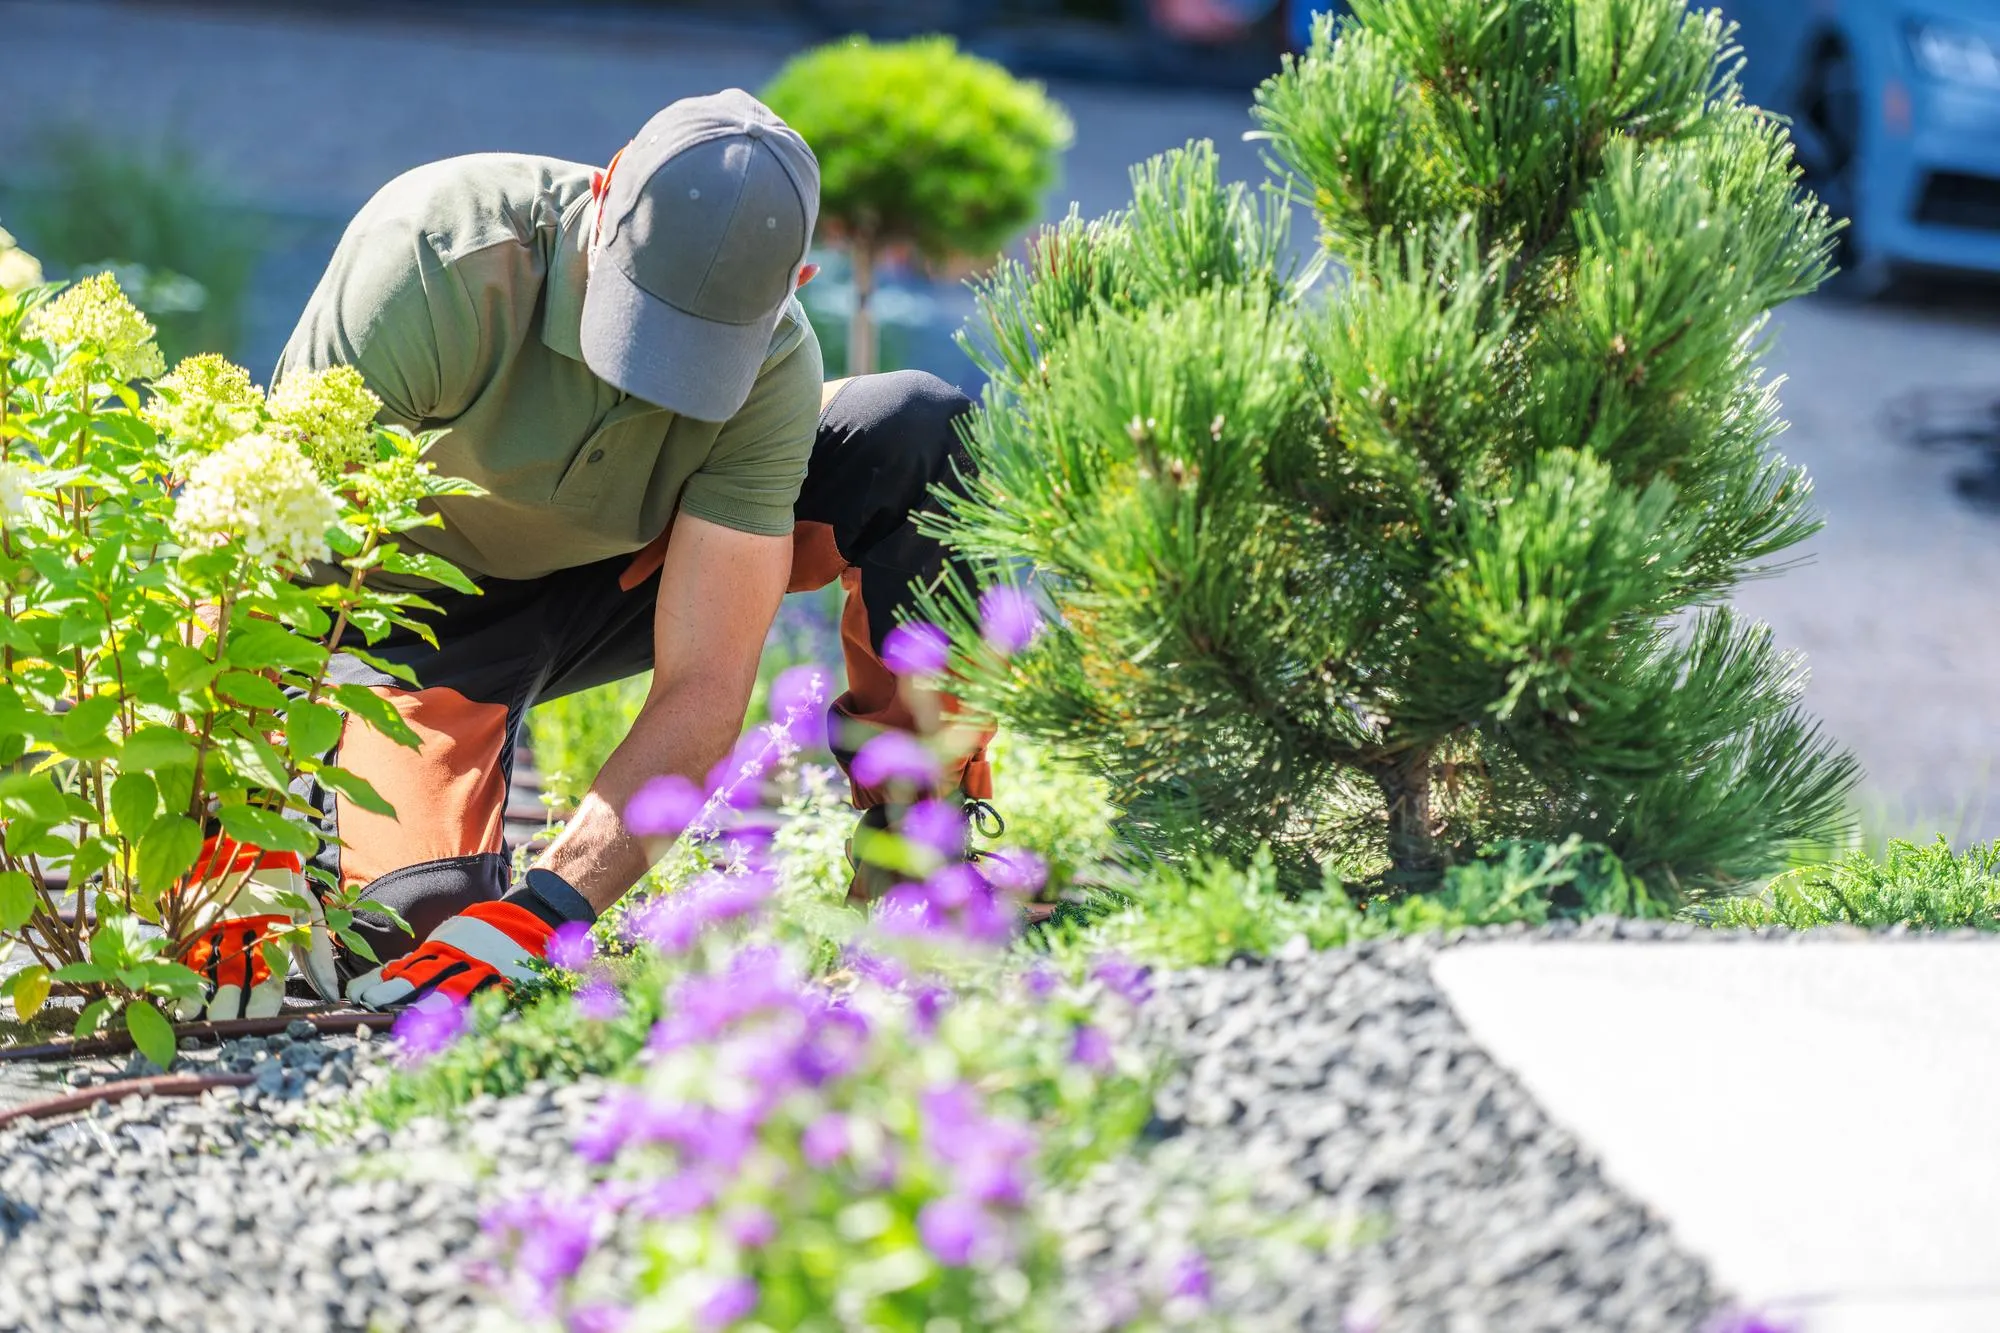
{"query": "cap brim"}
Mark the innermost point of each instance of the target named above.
(640, 344)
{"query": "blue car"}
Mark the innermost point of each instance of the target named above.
(1895, 106)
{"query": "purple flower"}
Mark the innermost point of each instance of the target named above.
(1015, 870)
(916, 649)
(669, 923)
(937, 825)
(571, 948)
(948, 1111)
(1124, 977)
(736, 781)
(984, 920)
(428, 1028)
(751, 1227)
(824, 1141)
(954, 1229)
(798, 698)
(927, 1005)
(906, 911)
(598, 1318)
(619, 1118)
(872, 966)
(1090, 1048)
(732, 1299)
(1750, 1321)
(1040, 981)
(895, 756)
(1008, 619)
(676, 1196)
(549, 1237)
(600, 1002)
(1189, 1280)
(833, 1046)
(955, 886)
(663, 807)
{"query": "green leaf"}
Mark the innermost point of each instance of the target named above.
(262, 644)
(35, 796)
(135, 802)
(394, 670)
(151, 1033)
(92, 1017)
(167, 851)
(377, 711)
(84, 729)
(250, 690)
(356, 789)
(31, 991)
(17, 899)
(263, 828)
(426, 566)
(83, 974)
(156, 747)
(312, 729)
(116, 943)
(189, 670)
(256, 760)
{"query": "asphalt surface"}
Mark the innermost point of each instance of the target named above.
(304, 117)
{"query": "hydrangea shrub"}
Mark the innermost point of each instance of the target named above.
(178, 554)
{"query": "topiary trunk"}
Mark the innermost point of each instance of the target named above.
(1440, 553)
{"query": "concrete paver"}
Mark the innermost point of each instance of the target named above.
(1814, 1119)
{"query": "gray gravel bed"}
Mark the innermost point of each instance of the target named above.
(227, 1214)
(1342, 1083)
(1335, 1090)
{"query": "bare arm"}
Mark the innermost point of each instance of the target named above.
(719, 590)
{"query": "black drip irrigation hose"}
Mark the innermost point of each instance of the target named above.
(119, 1043)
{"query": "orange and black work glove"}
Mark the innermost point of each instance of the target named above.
(233, 955)
(486, 945)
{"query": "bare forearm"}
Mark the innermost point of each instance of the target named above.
(684, 729)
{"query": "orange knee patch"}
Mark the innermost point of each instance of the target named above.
(450, 794)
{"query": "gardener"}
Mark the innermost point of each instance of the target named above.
(623, 367)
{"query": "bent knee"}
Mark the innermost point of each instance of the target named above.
(906, 420)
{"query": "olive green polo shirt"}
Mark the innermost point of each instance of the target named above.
(457, 292)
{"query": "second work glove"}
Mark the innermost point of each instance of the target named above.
(487, 945)
(273, 915)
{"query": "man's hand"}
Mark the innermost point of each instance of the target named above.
(488, 945)
(719, 591)
(273, 901)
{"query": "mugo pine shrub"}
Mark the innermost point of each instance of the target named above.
(1440, 557)
(172, 573)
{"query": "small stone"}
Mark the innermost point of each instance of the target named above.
(301, 1030)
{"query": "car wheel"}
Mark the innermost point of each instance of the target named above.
(1828, 133)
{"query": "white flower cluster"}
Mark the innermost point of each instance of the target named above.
(14, 485)
(330, 414)
(18, 268)
(95, 315)
(205, 401)
(261, 491)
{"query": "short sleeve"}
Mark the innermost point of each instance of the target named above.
(752, 477)
(373, 311)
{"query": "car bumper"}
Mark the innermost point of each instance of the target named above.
(1939, 188)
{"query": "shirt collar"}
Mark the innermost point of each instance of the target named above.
(569, 269)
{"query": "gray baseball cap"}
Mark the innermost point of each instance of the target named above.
(704, 226)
